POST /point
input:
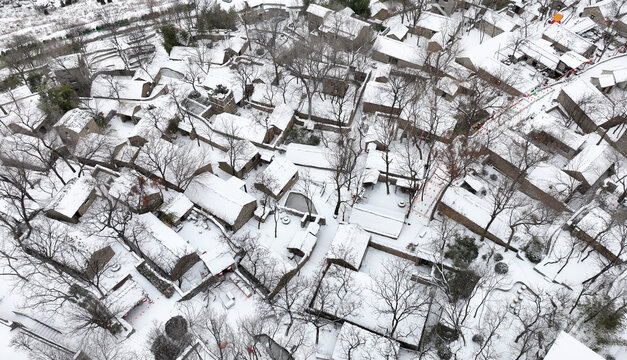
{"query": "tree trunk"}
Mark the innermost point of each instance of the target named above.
(387, 172)
(339, 201)
(509, 239)
(439, 199)
(485, 230)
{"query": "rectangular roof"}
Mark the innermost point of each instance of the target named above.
(218, 197)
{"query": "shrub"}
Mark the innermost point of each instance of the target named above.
(10, 83)
(463, 252)
(101, 121)
(477, 338)
(170, 38)
(444, 353)
(176, 327)
(173, 125)
(58, 100)
(462, 283)
(163, 348)
(534, 250)
(167, 218)
(498, 257)
(221, 89)
(34, 81)
(501, 268)
(301, 136)
(216, 18)
(607, 316)
(163, 286)
(445, 333)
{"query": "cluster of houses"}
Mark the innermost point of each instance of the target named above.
(157, 145)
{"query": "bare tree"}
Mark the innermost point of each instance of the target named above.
(456, 160)
(527, 213)
(342, 160)
(308, 61)
(399, 296)
(21, 59)
(246, 71)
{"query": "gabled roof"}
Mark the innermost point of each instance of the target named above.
(70, 198)
(218, 197)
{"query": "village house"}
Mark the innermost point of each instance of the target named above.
(589, 108)
(219, 198)
(23, 115)
(56, 242)
(125, 156)
(510, 153)
(380, 10)
(73, 200)
(378, 97)
(98, 149)
(610, 78)
(569, 61)
(608, 12)
(316, 15)
(344, 27)
(547, 131)
(19, 150)
(278, 178)
(592, 165)
(126, 295)
(348, 246)
(473, 212)
(397, 31)
(603, 232)
(565, 40)
(173, 164)
(495, 23)
(550, 185)
(75, 124)
(71, 69)
(281, 119)
(565, 345)
(165, 250)
(401, 54)
(264, 10)
(136, 191)
(263, 266)
(238, 159)
(303, 243)
(242, 128)
(176, 208)
(431, 23)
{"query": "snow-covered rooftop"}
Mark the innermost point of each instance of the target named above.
(567, 347)
(72, 196)
(400, 50)
(217, 197)
(349, 244)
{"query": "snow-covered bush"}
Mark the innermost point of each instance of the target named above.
(477, 338)
(498, 257)
(461, 283)
(166, 288)
(176, 327)
(534, 250)
(501, 268)
(444, 353)
(463, 252)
